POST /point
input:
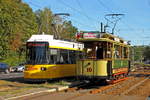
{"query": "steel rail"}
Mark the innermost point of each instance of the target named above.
(133, 87)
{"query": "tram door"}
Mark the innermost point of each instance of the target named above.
(88, 64)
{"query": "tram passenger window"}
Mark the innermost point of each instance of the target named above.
(104, 50)
(125, 52)
(53, 51)
(109, 50)
(72, 57)
(120, 51)
(108, 54)
(59, 56)
(116, 54)
(80, 55)
(63, 57)
(99, 52)
(54, 56)
(91, 50)
(61, 60)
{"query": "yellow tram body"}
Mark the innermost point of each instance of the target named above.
(48, 58)
(106, 57)
(53, 71)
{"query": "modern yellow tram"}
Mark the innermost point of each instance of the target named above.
(106, 57)
(49, 58)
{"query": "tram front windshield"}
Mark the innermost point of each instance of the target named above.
(37, 53)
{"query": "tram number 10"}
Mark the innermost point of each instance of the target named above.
(89, 69)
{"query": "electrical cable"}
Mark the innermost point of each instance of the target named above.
(83, 10)
(67, 5)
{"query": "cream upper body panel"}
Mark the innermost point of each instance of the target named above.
(56, 43)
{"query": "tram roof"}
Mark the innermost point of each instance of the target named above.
(56, 43)
(104, 37)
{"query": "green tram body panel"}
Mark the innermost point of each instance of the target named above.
(120, 63)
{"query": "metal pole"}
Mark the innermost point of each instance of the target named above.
(101, 27)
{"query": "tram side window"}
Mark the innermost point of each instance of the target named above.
(68, 57)
(117, 51)
(54, 56)
(63, 57)
(80, 55)
(72, 57)
(100, 51)
(104, 50)
(125, 52)
(91, 50)
(109, 50)
(121, 52)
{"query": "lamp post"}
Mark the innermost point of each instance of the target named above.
(55, 23)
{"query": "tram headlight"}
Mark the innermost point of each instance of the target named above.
(43, 68)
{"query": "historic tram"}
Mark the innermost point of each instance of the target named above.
(106, 57)
(49, 58)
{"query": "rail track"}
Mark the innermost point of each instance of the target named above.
(134, 86)
(135, 79)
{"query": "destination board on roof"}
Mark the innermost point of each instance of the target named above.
(90, 35)
(37, 44)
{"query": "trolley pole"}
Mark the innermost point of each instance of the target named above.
(113, 19)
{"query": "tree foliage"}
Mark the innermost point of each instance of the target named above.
(138, 53)
(69, 30)
(49, 23)
(141, 53)
(18, 22)
(44, 19)
(146, 53)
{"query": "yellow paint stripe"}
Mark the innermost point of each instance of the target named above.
(65, 48)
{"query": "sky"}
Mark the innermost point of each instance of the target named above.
(87, 15)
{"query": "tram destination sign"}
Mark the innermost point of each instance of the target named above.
(90, 35)
(37, 44)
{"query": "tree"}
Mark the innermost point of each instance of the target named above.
(18, 23)
(50, 23)
(69, 30)
(146, 53)
(44, 19)
(138, 53)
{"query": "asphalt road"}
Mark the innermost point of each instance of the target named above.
(11, 75)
